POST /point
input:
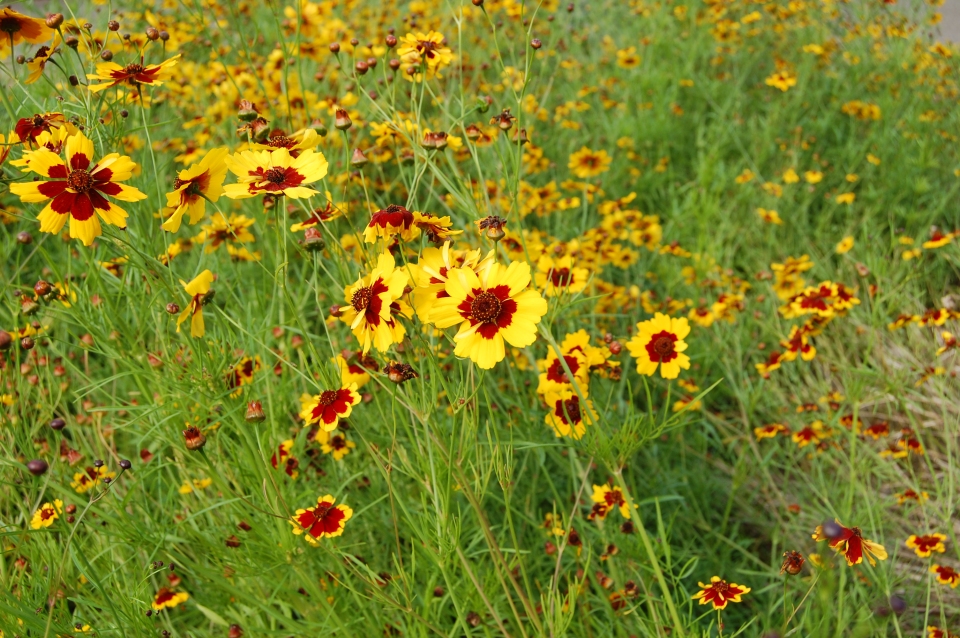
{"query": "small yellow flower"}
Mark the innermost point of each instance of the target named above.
(845, 245)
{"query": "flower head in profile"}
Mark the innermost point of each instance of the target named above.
(16, 28)
(611, 497)
(198, 289)
(38, 63)
(425, 53)
(168, 599)
(390, 221)
(28, 129)
(719, 592)
(302, 140)
(327, 408)
(946, 575)
(275, 172)
(241, 374)
(567, 416)
(195, 185)
(136, 74)
(659, 343)
(851, 543)
(493, 308)
(46, 514)
(78, 188)
(325, 520)
(374, 306)
(925, 545)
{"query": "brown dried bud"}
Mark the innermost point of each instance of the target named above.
(400, 372)
(106, 55)
(153, 34)
(478, 3)
(113, 25)
(194, 438)
(54, 20)
(474, 133)
(28, 306)
(520, 137)
(436, 140)
(70, 509)
(313, 240)
(335, 47)
(504, 120)
(358, 159)
(493, 225)
(255, 412)
(173, 308)
(792, 563)
(71, 41)
(342, 120)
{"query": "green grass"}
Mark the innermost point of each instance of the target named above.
(455, 471)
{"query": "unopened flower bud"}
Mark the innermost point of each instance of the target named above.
(255, 412)
(58, 424)
(54, 20)
(536, 43)
(361, 66)
(335, 47)
(342, 120)
(235, 631)
(493, 226)
(478, 3)
(313, 240)
(106, 55)
(21, 59)
(335, 311)
(233, 541)
(391, 41)
(71, 41)
(400, 372)
(153, 34)
(193, 438)
(164, 36)
(42, 288)
(247, 111)
(24, 238)
(113, 25)
(394, 64)
(358, 159)
(37, 467)
(615, 347)
(125, 464)
(27, 343)
(28, 306)
(173, 308)
(5, 340)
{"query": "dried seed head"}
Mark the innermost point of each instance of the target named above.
(493, 226)
(194, 438)
(792, 563)
(358, 159)
(400, 372)
(313, 240)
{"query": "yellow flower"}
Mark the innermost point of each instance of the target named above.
(423, 52)
(659, 343)
(846, 198)
(275, 173)
(558, 276)
(586, 163)
(782, 80)
(197, 289)
(744, 177)
(431, 273)
(566, 416)
(610, 497)
(769, 216)
(338, 445)
(845, 245)
(194, 186)
(813, 177)
(790, 176)
(628, 58)
(495, 307)
(374, 306)
(134, 73)
(47, 514)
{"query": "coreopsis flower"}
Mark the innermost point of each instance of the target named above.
(168, 599)
(390, 221)
(325, 520)
(274, 172)
(782, 79)
(845, 245)
(327, 408)
(38, 63)
(912, 495)
(194, 186)
(302, 140)
(16, 28)
(611, 497)
(327, 213)
(495, 307)
(719, 592)
(46, 514)
(935, 632)
(770, 430)
(78, 188)
(431, 273)
(28, 129)
(877, 430)
(554, 378)
(851, 543)
(659, 343)
(354, 368)
(586, 163)
(426, 53)
(198, 289)
(375, 305)
(338, 445)
(136, 74)
(926, 544)
(241, 374)
(939, 239)
(566, 416)
(90, 477)
(283, 456)
(436, 229)
(221, 230)
(558, 276)
(946, 575)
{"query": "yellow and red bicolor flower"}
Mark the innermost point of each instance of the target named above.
(424, 52)
(554, 377)
(195, 185)
(851, 543)
(659, 342)
(336, 444)
(78, 187)
(770, 430)
(302, 140)
(926, 544)
(431, 274)
(275, 173)
(493, 308)
(610, 497)
(326, 520)
(167, 598)
(374, 306)
(354, 368)
(16, 28)
(719, 592)
(135, 73)
(558, 276)
(566, 416)
(39, 61)
(242, 373)
(28, 128)
(90, 477)
(946, 575)
(47, 514)
(390, 221)
(197, 289)
(290, 462)
(327, 408)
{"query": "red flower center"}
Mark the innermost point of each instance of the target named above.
(328, 397)
(275, 175)
(133, 69)
(281, 141)
(570, 410)
(338, 442)
(561, 277)
(45, 513)
(361, 299)
(485, 307)
(80, 180)
(661, 347)
(721, 587)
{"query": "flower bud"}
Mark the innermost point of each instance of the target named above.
(493, 226)
(152, 34)
(247, 111)
(193, 438)
(478, 3)
(71, 41)
(106, 55)
(37, 467)
(342, 120)
(615, 347)
(362, 67)
(400, 372)
(27, 343)
(335, 48)
(42, 288)
(24, 238)
(313, 240)
(235, 631)
(255, 412)
(233, 541)
(113, 25)
(520, 137)
(474, 133)
(5, 340)
(335, 311)
(358, 159)
(28, 306)
(173, 308)
(54, 20)
(792, 563)
(58, 424)
(126, 465)
(536, 43)
(391, 41)
(394, 64)
(164, 36)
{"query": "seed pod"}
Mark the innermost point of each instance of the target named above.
(255, 412)
(37, 467)
(28, 306)
(194, 438)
